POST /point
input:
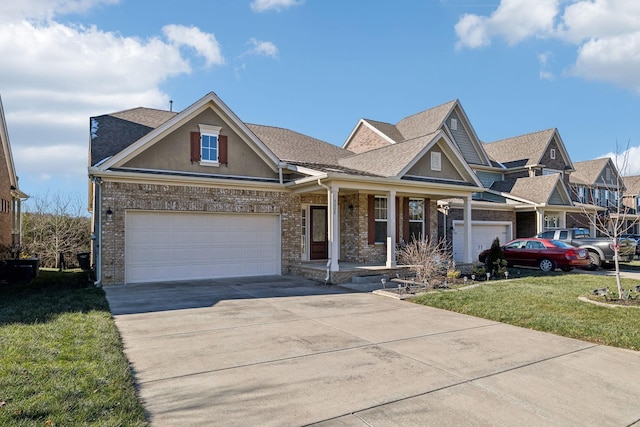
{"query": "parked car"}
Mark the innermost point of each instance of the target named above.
(545, 254)
(601, 249)
(635, 237)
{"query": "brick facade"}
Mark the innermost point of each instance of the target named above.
(121, 197)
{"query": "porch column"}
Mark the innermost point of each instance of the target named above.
(334, 240)
(563, 220)
(539, 221)
(466, 216)
(391, 229)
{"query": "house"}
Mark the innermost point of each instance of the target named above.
(10, 197)
(596, 184)
(631, 202)
(525, 179)
(201, 194)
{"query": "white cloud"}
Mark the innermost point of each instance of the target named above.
(262, 48)
(606, 34)
(513, 20)
(627, 161)
(277, 5)
(55, 76)
(204, 44)
(45, 10)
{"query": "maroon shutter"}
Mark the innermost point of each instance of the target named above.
(372, 219)
(195, 146)
(222, 149)
(406, 231)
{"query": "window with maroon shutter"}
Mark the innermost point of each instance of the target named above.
(371, 219)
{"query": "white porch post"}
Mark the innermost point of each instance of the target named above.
(334, 239)
(563, 219)
(468, 250)
(539, 221)
(391, 229)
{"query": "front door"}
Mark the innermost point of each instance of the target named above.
(319, 226)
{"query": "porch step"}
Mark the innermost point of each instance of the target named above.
(374, 278)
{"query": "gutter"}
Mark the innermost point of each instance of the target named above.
(97, 182)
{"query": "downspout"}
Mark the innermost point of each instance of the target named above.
(328, 276)
(97, 196)
(280, 166)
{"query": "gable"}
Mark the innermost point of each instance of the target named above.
(447, 171)
(462, 139)
(556, 198)
(172, 152)
(365, 138)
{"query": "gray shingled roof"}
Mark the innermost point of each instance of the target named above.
(388, 161)
(425, 122)
(632, 184)
(386, 128)
(150, 117)
(292, 146)
(520, 150)
(537, 189)
(588, 172)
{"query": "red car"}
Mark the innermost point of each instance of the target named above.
(543, 253)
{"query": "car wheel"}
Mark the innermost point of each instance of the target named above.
(546, 265)
(567, 268)
(595, 261)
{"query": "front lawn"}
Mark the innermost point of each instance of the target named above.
(61, 358)
(548, 303)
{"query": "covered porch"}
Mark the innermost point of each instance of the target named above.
(351, 227)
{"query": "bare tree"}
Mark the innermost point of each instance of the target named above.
(54, 224)
(615, 219)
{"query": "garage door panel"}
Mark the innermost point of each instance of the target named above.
(164, 246)
(482, 235)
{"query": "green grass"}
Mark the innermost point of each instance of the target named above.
(61, 358)
(548, 303)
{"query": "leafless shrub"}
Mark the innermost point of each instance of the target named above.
(427, 259)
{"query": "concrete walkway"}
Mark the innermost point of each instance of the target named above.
(282, 351)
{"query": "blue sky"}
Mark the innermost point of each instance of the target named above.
(316, 67)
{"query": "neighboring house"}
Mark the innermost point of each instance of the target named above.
(598, 186)
(525, 178)
(201, 194)
(631, 202)
(10, 196)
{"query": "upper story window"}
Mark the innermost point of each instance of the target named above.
(209, 149)
(454, 124)
(546, 171)
(580, 194)
(552, 153)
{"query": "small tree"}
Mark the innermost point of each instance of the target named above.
(54, 224)
(427, 259)
(616, 219)
(496, 263)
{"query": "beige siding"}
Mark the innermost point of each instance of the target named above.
(423, 167)
(173, 153)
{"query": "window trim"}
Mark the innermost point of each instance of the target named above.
(436, 161)
(211, 131)
(377, 220)
(552, 153)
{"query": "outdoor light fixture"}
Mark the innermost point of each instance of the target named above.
(109, 214)
(350, 207)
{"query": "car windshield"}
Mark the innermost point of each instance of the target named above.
(560, 244)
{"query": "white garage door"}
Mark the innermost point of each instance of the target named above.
(165, 246)
(482, 235)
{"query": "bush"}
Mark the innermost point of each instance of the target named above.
(427, 259)
(496, 264)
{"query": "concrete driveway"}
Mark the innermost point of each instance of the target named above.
(284, 351)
